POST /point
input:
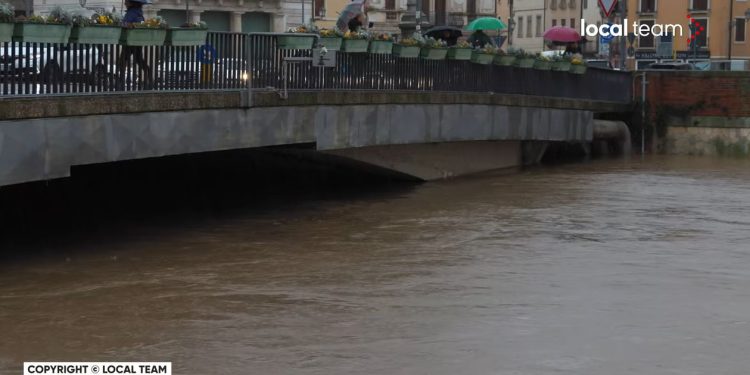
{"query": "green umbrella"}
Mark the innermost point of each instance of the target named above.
(486, 23)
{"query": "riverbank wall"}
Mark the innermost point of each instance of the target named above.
(696, 113)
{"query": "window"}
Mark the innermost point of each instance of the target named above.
(319, 4)
(699, 5)
(585, 4)
(528, 26)
(739, 30)
(554, 23)
(646, 41)
(389, 5)
(573, 23)
(648, 6)
(562, 22)
(702, 39)
(519, 26)
(538, 26)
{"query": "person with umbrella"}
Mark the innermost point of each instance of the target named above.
(449, 34)
(356, 23)
(564, 36)
(133, 15)
(479, 39)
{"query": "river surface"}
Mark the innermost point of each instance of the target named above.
(605, 267)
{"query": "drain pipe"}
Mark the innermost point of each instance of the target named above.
(644, 83)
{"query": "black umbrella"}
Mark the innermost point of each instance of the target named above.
(438, 32)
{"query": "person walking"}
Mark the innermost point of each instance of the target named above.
(356, 23)
(479, 39)
(134, 15)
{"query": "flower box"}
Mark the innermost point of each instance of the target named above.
(429, 53)
(542, 65)
(504, 60)
(331, 43)
(186, 36)
(577, 69)
(482, 58)
(355, 45)
(6, 32)
(405, 51)
(95, 34)
(561, 66)
(41, 33)
(292, 41)
(143, 37)
(525, 62)
(381, 47)
(459, 54)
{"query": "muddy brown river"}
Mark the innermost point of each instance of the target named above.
(605, 267)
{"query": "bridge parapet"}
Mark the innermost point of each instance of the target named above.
(254, 61)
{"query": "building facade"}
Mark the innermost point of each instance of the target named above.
(592, 13)
(723, 40)
(528, 24)
(219, 15)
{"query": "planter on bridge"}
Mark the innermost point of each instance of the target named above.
(186, 36)
(143, 37)
(578, 68)
(525, 62)
(561, 66)
(430, 53)
(380, 47)
(542, 65)
(292, 41)
(400, 50)
(331, 44)
(478, 57)
(459, 54)
(504, 60)
(6, 32)
(94, 34)
(41, 32)
(355, 45)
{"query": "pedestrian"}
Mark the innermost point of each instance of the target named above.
(356, 23)
(479, 39)
(133, 15)
(449, 38)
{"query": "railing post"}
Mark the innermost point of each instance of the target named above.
(249, 66)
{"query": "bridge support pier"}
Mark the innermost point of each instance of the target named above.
(533, 152)
(434, 161)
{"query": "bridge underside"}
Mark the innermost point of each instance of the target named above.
(427, 141)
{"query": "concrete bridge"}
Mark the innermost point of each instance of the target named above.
(427, 135)
(427, 119)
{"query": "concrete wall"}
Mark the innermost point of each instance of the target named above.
(45, 148)
(712, 118)
(731, 140)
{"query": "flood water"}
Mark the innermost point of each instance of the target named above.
(604, 267)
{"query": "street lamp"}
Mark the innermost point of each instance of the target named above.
(322, 11)
(511, 27)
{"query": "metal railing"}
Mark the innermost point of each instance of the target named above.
(48, 68)
(253, 61)
(364, 71)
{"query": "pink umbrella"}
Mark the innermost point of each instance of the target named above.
(562, 34)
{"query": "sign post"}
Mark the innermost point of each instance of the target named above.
(607, 6)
